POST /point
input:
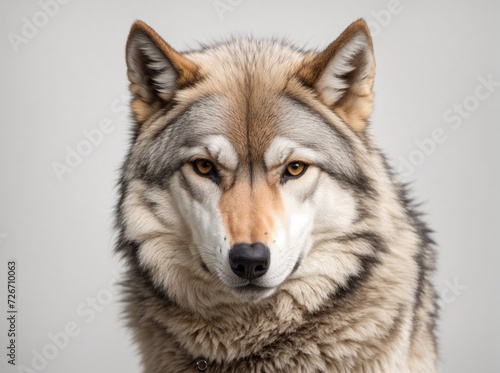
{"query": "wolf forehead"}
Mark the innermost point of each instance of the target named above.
(248, 90)
(214, 125)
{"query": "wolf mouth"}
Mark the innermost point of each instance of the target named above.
(252, 287)
(253, 291)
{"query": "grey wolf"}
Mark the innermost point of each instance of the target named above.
(262, 228)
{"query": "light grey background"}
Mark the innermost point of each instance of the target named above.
(71, 76)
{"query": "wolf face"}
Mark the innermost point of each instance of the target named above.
(238, 154)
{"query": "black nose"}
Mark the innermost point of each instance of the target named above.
(249, 261)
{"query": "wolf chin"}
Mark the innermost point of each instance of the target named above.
(261, 227)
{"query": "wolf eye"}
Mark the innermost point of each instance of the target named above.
(203, 167)
(295, 169)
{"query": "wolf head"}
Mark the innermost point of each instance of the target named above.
(248, 156)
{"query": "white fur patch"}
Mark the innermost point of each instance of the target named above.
(216, 147)
(282, 149)
(223, 151)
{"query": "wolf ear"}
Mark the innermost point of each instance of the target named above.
(155, 70)
(343, 75)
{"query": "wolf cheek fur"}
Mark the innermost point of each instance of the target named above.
(262, 228)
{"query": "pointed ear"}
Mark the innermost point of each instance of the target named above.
(155, 70)
(343, 75)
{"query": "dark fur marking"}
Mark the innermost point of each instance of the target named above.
(248, 121)
(130, 250)
(296, 266)
(187, 187)
(376, 242)
(144, 274)
(356, 281)
(367, 262)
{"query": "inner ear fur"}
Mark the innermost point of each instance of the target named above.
(155, 71)
(343, 75)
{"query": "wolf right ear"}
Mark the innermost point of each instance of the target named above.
(155, 71)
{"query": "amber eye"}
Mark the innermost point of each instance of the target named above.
(203, 166)
(296, 168)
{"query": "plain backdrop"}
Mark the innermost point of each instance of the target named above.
(63, 78)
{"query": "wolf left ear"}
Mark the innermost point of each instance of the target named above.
(155, 70)
(343, 75)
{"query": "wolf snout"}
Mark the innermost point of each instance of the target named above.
(249, 261)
